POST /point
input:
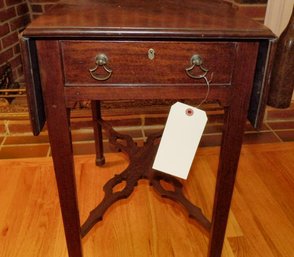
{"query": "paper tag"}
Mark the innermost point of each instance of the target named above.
(181, 136)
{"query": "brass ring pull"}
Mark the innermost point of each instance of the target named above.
(101, 60)
(196, 60)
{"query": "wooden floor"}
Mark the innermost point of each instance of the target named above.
(261, 221)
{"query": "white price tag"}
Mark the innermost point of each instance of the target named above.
(180, 139)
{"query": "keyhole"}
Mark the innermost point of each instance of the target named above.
(151, 53)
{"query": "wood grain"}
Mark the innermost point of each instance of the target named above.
(155, 19)
(58, 122)
(261, 221)
(130, 63)
(234, 122)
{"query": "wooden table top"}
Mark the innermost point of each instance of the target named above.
(191, 19)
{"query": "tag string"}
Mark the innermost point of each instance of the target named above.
(208, 90)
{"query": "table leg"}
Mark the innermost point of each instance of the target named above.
(58, 124)
(96, 116)
(228, 164)
(66, 184)
(234, 122)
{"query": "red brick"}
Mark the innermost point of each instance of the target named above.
(36, 8)
(6, 55)
(44, 1)
(22, 9)
(260, 138)
(4, 29)
(2, 67)
(12, 2)
(1, 4)
(2, 127)
(286, 136)
(19, 22)
(35, 16)
(210, 140)
(7, 14)
(16, 61)
(20, 126)
(24, 151)
(282, 125)
(84, 148)
(280, 114)
(19, 73)
(48, 7)
(10, 39)
(14, 73)
(25, 139)
(16, 49)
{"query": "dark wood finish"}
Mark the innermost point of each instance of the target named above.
(261, 83)
(33, 86)
(60, 141)
(194, 19)
(73, 94)
(164, 20)
(130, 63)
(96, 116)
(140, 167)
(282, 80)
(235, 116)
(70, 35)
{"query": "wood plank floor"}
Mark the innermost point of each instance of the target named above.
(261, 221)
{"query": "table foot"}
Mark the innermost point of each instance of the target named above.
(140, 167)
(100, 161)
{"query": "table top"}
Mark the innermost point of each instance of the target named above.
(191, 19)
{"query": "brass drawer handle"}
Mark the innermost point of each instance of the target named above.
(101, 60)
(196, 60)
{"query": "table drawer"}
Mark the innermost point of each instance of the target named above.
(146, 63)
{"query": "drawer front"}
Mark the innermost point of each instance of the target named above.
(146, 63)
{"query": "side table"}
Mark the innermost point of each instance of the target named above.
(114, 50)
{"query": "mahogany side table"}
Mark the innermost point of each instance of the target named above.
(124, 49)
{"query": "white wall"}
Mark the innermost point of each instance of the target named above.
(277, 15)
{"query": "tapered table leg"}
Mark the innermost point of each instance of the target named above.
(235, 117)
(61, 144)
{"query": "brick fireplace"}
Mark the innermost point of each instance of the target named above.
(14, 16)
